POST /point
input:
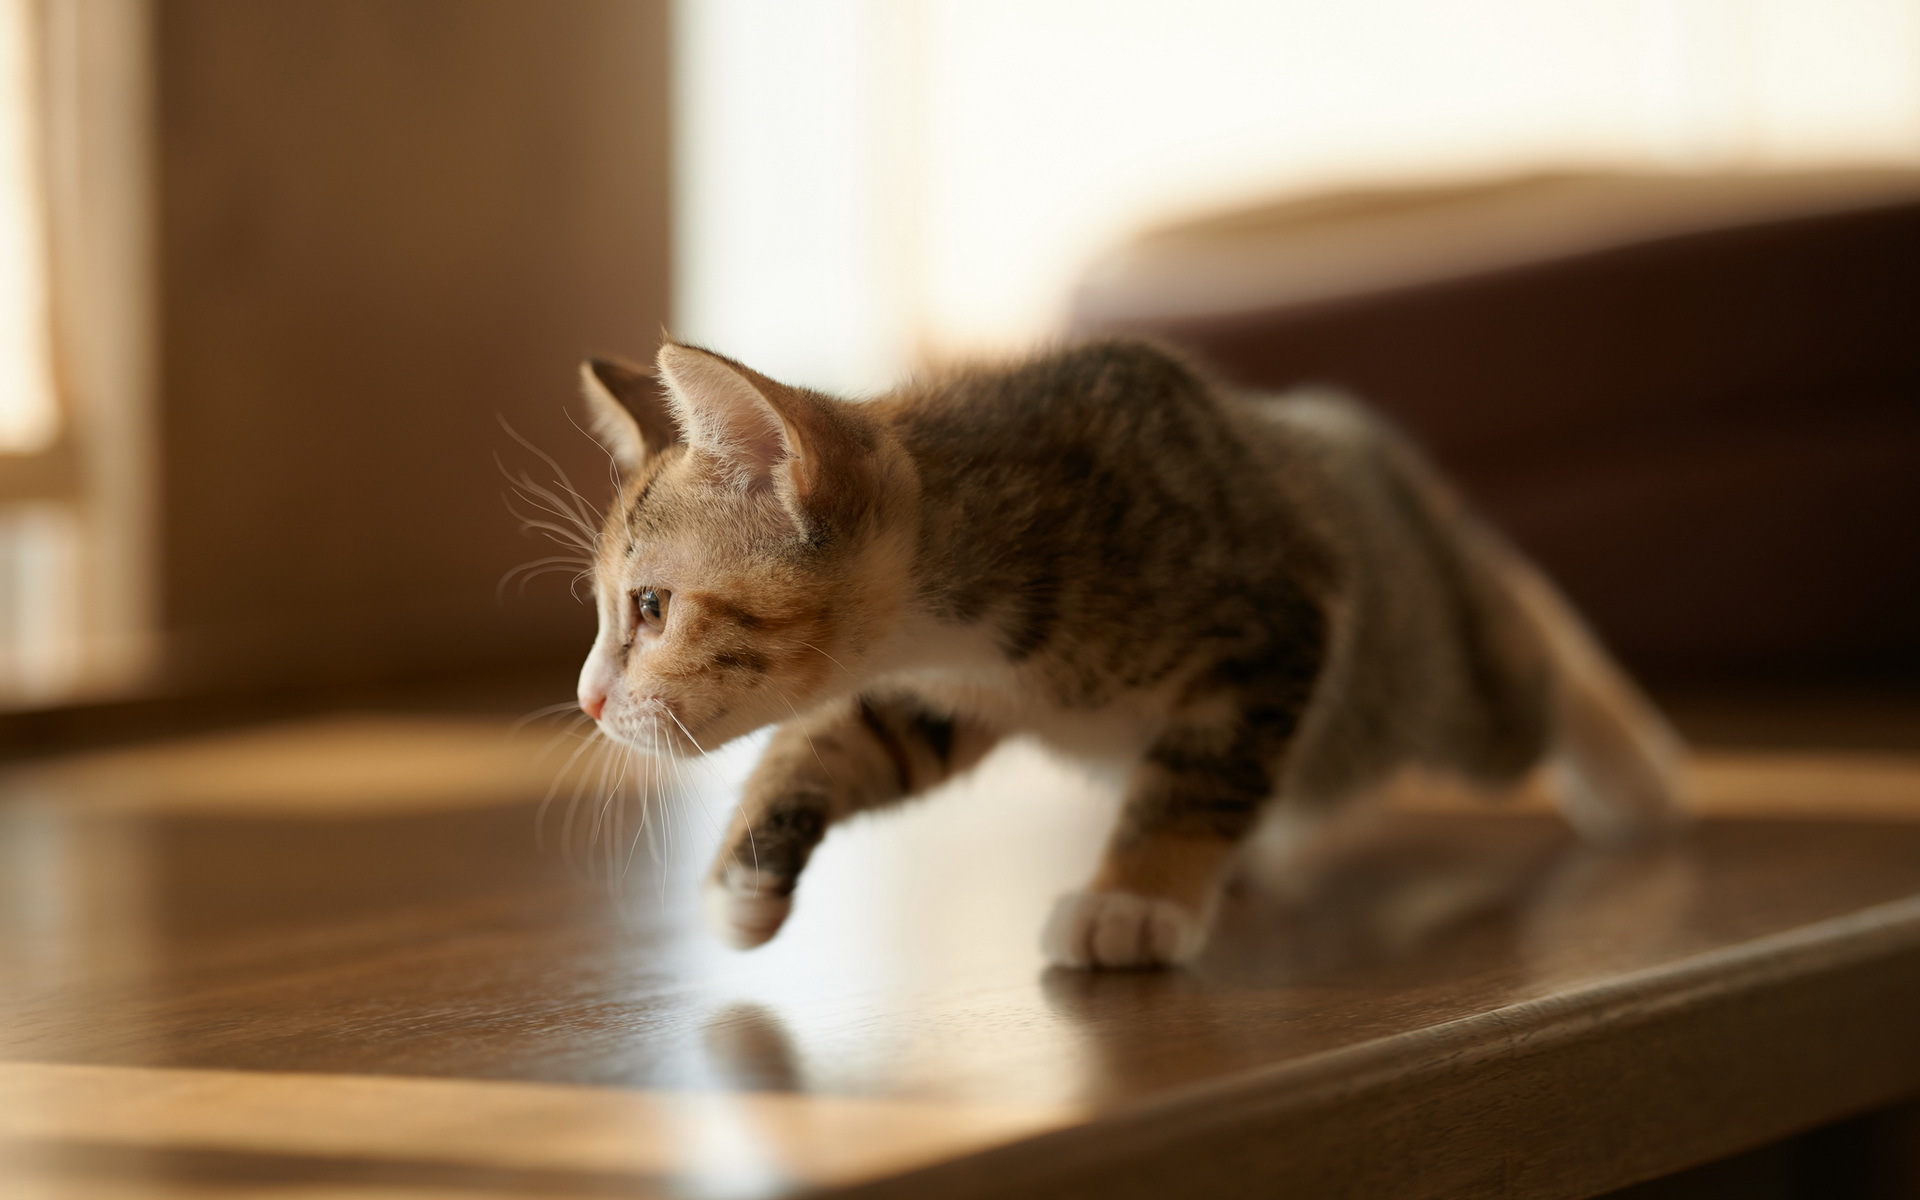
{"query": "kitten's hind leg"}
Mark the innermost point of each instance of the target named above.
(1190, 806)
(852, 756)
(1617, 767)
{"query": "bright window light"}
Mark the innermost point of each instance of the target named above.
(865, 184)
(28, 413)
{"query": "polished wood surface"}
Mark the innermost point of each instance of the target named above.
(369, 956)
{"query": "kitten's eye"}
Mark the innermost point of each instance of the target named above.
(651, 604)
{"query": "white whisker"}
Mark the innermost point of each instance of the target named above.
(683, 729)
(560, 777)
(573, 802)
(559, 473)
(801, 726)
(547, 710)
(560, 534)
(528, 571)
(613, 463)
(817, 650)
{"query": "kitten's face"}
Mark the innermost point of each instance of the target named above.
(715, 617)
(733, 574)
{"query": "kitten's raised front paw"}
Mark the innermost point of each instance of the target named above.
(1120, 929)
(746, 906)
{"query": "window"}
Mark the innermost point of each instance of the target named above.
(864, 184)
(74, 359)
(28, 412)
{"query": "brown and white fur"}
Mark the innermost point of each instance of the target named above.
(1241, 601)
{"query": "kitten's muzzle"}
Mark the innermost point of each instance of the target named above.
(651, 725)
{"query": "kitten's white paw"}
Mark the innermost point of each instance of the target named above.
(1120, 929)
(744, 906)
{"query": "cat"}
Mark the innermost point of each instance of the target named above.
(1245, 601)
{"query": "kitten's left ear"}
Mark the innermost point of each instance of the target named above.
(630, 415)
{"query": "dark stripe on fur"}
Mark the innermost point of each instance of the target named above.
(936, 732)
(727, 610)
(744, 660)
(784, 838)
(1221, 793)
(876, 725)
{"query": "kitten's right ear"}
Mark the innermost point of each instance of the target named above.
(630, 413)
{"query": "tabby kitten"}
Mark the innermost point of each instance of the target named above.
(1245, 601)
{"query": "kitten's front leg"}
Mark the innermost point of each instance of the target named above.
(1190, 805)
(855, 755)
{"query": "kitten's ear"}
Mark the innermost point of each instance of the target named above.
(736, 416)
(630, 415)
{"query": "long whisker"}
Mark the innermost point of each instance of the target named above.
(603, 790)
(599, 789)
(619, 808)
(570, 508)
(593, 742)
(613, 463)
(706, 764)
(683, 728)
(548, 710)
(546, 499)
(529, 571)
(817, 650)
(577, 520)
(652, 782)
(569, 732)
(666, 822)
(563, 534)
(646, 789)
(559, 473)
(801, 726)
(560, 777)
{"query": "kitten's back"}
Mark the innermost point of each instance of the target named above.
(1134, 501)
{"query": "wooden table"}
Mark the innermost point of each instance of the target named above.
(357, 957)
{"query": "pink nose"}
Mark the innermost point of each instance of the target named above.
(593, 703)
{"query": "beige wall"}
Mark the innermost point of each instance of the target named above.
(382, 222)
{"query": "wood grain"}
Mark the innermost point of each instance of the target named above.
(418, 998)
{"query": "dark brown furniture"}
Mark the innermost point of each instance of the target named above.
(1695, 400)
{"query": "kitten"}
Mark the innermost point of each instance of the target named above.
(1243, 600)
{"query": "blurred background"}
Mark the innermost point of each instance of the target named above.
(276, 278)
(292, 297)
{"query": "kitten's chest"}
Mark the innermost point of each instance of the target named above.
(1015, 704)
(963, 671)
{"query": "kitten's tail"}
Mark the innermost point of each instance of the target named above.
(1617, 764)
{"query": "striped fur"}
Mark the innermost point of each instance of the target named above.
(1240, 600)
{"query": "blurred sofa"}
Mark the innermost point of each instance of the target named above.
(1694, 399)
